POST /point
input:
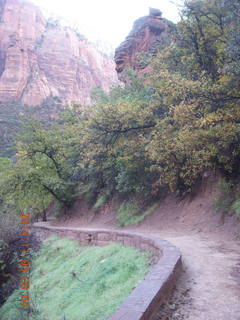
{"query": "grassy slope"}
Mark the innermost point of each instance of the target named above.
(80, 283)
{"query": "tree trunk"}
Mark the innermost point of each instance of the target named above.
(44, 216)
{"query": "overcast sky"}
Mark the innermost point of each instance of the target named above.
(106, 20)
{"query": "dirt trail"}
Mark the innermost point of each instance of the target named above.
(212, 276)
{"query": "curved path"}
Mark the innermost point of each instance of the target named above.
(209, 288)
(211, 278)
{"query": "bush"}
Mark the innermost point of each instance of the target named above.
(3, 248)
(226, 197)
(9, 230)
(9, 223)
(236, 207)
(101, 200)
(129, 213)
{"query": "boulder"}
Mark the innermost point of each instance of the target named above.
(155, 12)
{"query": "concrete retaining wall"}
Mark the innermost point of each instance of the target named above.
(149, 295)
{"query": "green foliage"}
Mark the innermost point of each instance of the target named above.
(144, 59)
(9, 222)
(236, 207)
(225, 199)
(80, 283)
(101, 200)
(9, 250)
(13, 115)
(45, 170)
(3, 248)
(130, 212)
(201, 99)
(127, 213)
(21, 188)
(228, 201)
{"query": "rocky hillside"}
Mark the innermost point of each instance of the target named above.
(39, 59)
(147, 35)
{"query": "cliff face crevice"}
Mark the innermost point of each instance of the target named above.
(40, 60)
(147, 35)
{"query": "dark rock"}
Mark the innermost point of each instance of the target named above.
(155, 12)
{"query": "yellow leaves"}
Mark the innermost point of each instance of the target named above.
(185, 114)
(226, 116)
(188, 141)
(21, 154)
(224, 80)
(211, 118)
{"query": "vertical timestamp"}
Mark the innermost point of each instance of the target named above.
(25, 260)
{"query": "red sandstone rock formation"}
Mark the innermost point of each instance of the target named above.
(147, 35)
(39, 60)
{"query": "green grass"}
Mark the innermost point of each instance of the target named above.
(79, 283)
(101, 200)
(128, 213)
(226, 197)
(236, 207)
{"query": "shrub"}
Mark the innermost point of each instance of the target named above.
(226, 197)
(236, 207)
(9, 225)
(9, 250)
(129, 213)
(101, 200)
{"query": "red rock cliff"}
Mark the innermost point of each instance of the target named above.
(148, 33)
(39, 60)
